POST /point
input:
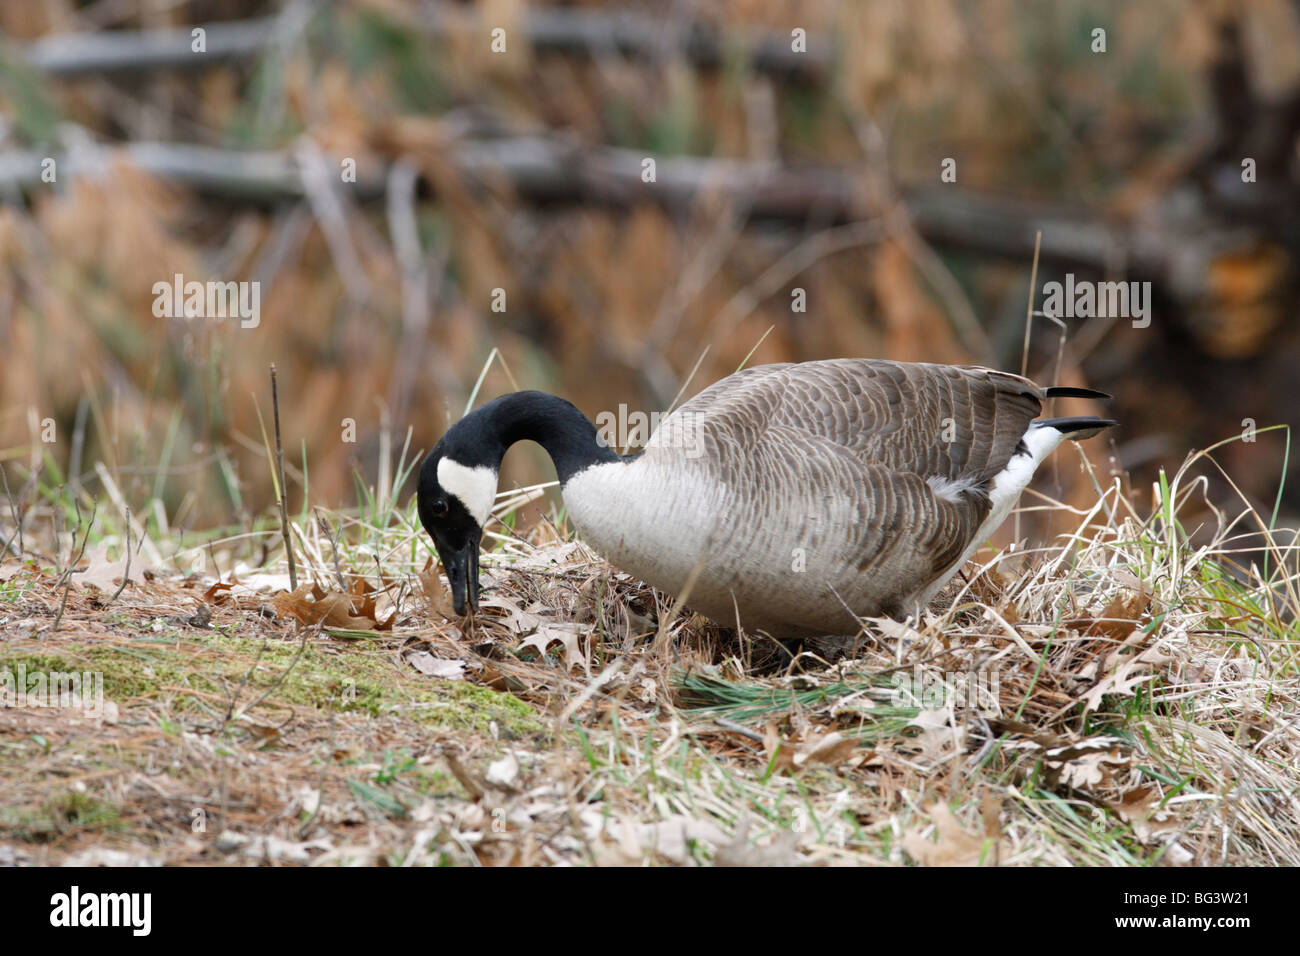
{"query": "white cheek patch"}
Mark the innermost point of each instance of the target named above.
(475, 488)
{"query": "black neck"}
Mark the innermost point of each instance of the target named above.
(483, 436)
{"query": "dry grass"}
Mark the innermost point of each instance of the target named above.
(1140, 708)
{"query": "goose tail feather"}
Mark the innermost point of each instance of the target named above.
(1071, 391)
(1077, 429)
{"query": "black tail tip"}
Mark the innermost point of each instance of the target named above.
(1077, 429)
(1070, 391)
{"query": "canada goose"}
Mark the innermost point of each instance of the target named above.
(794, 494)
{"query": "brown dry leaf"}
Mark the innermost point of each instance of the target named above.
(263, 732)
(991, 811)
(435, 592)
(103, 573)
(905, 634)
(217, 593)
(671, 838)
(955, 847)
(1141, 807)
(938, 736)
(808, 746)
(780, 850)
(365, 603)
(569, 635)
(778, 757)
(311, 604)
(1087, 764)
(1123, 682)
(1118, 618)
(1080, 763)
(831, 749)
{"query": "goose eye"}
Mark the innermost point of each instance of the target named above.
(439, 508)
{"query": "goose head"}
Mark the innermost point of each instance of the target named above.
(455, 496)
(458, 481)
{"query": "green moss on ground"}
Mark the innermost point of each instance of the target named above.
(346, 678)
(66, 812)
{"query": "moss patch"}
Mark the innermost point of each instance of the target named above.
(205, 671)
(67, 812)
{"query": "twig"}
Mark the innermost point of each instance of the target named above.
(1029, 309)
(66, 579)
(735, 728)
(126, 572)
(18, 522)
(302, 648)
(116, 51)
(281, 490)
(334, 548)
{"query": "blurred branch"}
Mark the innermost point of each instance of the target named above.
(117, 51)
(548, 30)
(541, 169)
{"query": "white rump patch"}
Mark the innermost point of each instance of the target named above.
(1004, 491)
(475, 488)
(1041, 440)
(950, 489)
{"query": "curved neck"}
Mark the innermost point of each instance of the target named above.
(568, 436)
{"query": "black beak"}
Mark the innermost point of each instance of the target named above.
(462, 574)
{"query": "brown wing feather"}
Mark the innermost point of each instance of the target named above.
(894, 414)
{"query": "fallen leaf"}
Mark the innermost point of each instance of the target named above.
(779, 850)
(426, 663)
(938, 737)
(808, 746)
(216, 594)
(1081, 763)
(519, 620)
(311, 604)
(104, 856)
(1141, 808)
(1085, 765)
(1178, 855)
(101, 572)
(502, 772)
(435, 592)
(954, 847)
(270, 847)
(831, 749)
(671, 838)
(1121, 683)
(568, 635)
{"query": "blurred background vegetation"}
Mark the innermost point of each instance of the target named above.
(779, 167)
